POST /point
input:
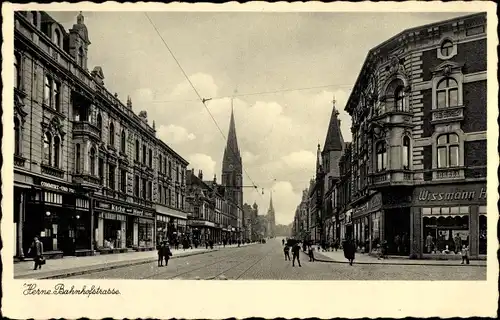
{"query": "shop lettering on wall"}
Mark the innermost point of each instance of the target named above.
(425, 195)
(56, 187)
(118, 209)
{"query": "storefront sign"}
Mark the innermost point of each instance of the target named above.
(373, 204)
(451, 194)
(56, 187)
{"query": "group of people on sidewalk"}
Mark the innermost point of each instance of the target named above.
(295, 247)
(308, 247)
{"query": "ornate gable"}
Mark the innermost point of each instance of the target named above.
(55, 126)
(448, 67)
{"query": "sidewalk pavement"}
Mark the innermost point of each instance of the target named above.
(72, 266)
(338, 257)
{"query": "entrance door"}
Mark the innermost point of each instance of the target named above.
(130, 232)
(397, 231)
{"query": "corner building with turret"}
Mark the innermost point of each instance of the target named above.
(418, 154)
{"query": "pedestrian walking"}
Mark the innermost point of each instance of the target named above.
(295, 254)
(458, 243)
(349, 251)
(159, 248)
(429, 243)
(286, 250)
(311, 254)
(36, 250)
(283, 242)
(465, 254)
(166, 253)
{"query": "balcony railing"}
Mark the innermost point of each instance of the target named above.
(85, 128)
(448, 114)
(448, 173)
(52, 171)
(19, 161)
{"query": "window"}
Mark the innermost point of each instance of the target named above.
(400, 99)
(160, 192)
(136, 186)
(447, 93)
(123, 181)
(445, 229)
(17, 137)
(57, 37)
(123, 142)
(81, 57)
(381, 156)
(150, 190)
(101, 169)
(447, 150)
(92, 161)
(150, 160)
(99, 125)
(137, 149)
(447, 48)
(144, 188)
(112, 134)
(160, 164)
(144, 154)
(111, 176)
(46, 90)
(406, 153)
(169, 197)
(35, 18)
(17, 71)
(57, 152)
(56, 96)
(77, 158)
(170, 169)
(47, 148)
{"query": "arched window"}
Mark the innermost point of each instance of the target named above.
(400, 99)
(381, 156)
(406, 153)
(137, 150)
(78, 158)
(92, 161)
(81, 57)
(447, 93)
(17, 71)
(111, 134)
(57, 37)
(448, 150)
(47, 148)
(17, 136)
(57, 152)
(447, 48)
(99, 125)
(123, 142)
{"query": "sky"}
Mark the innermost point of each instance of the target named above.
(237, 53)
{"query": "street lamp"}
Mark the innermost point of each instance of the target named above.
(47, 213)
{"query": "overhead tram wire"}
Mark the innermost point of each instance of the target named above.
(262, 93)
(202, 100)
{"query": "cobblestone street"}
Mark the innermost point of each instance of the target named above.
(266, 262)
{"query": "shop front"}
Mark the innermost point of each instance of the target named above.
(202, 230)
(120, 226)
(367, 223)
(50, 212)
(171, 224)
(447, 217)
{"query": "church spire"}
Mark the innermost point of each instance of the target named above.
(271, 207)
(232, 158)
(334, 140)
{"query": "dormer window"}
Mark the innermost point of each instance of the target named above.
(57, 37)
(447, 48)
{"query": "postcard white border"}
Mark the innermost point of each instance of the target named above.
(268, 299)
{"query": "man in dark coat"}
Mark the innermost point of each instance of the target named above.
(166, 252)
(295, 254)
(159, 248)
(286, 250)
(36, 250)
(349, 251)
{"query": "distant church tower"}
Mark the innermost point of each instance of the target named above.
(271, 218)
(232, 167)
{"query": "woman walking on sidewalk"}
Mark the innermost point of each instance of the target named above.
(36, 250)
(349, 251)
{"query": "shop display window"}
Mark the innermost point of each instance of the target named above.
(483, 221)
(145, 234)
(446, 229)
(375, 229)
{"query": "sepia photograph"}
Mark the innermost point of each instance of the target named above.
(247, 145)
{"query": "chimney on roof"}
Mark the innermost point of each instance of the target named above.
(200, 175)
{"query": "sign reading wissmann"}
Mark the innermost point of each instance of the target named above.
(425, 195)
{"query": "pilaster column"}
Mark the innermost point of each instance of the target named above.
(20, 225)
(473, 231)
(416, 244)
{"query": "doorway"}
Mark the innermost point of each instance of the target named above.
(397, 231)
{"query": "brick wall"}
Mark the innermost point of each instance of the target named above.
(475, 106)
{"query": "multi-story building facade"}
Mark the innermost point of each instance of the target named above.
(86, 170)
(343, 206)
(418, 161)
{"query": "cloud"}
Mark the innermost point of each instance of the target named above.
(200, 161)
(299, 159)
(249, 158)
(174, 134)
(204, 84)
